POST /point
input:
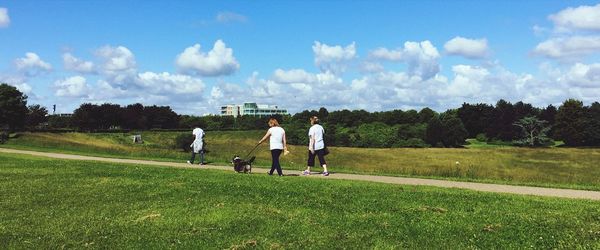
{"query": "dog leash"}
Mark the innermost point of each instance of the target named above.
(252, 150)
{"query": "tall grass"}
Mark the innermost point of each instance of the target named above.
(557, 167)
(50, 204)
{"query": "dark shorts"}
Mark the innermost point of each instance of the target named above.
(311, 157)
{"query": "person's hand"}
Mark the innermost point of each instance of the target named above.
(312, 151)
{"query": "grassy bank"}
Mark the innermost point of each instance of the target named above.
(553, 167)
(47, 203)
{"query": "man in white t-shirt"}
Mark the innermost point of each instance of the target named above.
(316, 146)
(277, 144)
(197, 146)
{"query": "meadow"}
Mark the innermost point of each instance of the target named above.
(550, 167)
(50, 203)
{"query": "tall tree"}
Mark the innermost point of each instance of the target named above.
(502, 125)
(36, 115)
(591, 125)
(569, 123)
(13, 107)
(434, 132)
(454, 132)
(476, 118)
(86, 117)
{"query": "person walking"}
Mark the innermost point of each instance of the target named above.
(277, 144)
(316, 146)
(197, 146)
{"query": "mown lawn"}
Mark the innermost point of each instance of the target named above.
(48, 203)
(551, 167)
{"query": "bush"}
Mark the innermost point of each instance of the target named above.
(183, 142)
(3, 137)
(481, 137)
(411, 143)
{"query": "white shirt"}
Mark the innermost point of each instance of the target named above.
(276, 140)
(198, 143)
(316, 132)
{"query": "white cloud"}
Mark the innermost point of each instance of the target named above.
(76, 64)
(218, 61)
(469, 48)
(568, 48)
(168, 84)
(583, 75)
(333, 58)
(467, 81)
(32, 64)
(4, 18)
(75, 86)
(293, 76)
(118, 64)
(385, 54)
(580, 18)
(227, 17)
(421, 58)
(371, 67)
(17, 81)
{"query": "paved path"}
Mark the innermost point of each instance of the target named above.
(524, 190)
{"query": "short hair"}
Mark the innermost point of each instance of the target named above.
(314, 120)
(273, 122)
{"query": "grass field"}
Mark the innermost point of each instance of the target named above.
(49, 203)
(551, 167)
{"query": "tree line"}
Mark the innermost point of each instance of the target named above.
(519, 123)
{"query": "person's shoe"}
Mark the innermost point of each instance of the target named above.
(189, 162)
(305, 172)
(325, 173)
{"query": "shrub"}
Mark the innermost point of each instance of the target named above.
(481, 137)
(183, 142)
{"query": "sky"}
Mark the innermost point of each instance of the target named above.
(196, 56)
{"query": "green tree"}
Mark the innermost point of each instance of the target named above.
(36, 115)
(569, 123)
(454, 132)
(434, 132)
(13, 107)
(534, 132)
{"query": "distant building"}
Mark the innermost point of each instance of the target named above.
(252, 109)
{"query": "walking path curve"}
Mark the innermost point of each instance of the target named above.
(497, 188)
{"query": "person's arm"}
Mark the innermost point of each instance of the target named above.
(284, 142)
(311, 144)
(265, 137)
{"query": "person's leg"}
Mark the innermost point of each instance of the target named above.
(202, 157)
(310, 163)
(273, 161)
(321, 154)
(277, 153)
(191, 161)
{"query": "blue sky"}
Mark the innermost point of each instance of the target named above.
(375, 55)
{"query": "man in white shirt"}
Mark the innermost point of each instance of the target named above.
(197, 146)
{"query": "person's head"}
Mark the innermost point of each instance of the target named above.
(314, 120)
(273, 122)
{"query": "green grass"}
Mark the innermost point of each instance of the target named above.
(49, 203)
(548, 167)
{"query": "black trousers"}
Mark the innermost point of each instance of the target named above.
(275, 153)
(311, 157)
(194, 156)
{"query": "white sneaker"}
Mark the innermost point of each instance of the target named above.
(189, 162)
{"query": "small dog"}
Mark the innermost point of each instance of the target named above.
(241, 166)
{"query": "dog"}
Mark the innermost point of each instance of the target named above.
(241, 166)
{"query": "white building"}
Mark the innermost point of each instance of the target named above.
(252, 109)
